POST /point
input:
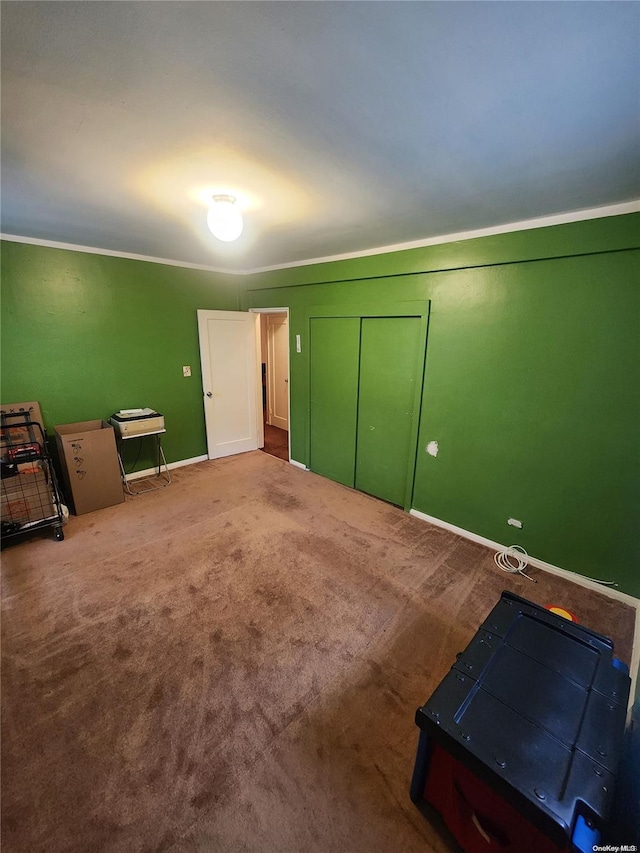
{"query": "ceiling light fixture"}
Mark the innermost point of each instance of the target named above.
(224, 218)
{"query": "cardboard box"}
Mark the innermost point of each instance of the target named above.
(15, 435)
(32, 409)
(10, 483)
(89, 463)
(27, 498)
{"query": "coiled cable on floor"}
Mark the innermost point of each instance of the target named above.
(513, 560)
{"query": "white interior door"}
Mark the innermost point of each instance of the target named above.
(229, 355)
(278, 370)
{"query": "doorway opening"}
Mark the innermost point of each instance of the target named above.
(274, 358)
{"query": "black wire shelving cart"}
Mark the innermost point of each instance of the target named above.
(29, 495)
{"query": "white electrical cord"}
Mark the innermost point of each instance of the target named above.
(513, 560)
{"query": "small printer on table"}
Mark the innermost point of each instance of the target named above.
(138, 423)
(132, 422)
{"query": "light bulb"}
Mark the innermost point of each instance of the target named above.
(224, 219)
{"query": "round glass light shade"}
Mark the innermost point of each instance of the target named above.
(224, 219)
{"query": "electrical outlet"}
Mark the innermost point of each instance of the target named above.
(186, 370)
(514, 522)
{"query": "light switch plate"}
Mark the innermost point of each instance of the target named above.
(186, 370)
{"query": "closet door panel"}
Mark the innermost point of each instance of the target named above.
(334, 362)
(390, 353)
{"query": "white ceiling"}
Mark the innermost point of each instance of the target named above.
(340, 126)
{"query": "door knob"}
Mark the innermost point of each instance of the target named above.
(209, 394)
(286, 380)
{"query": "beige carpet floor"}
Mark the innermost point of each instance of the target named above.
(233, 664)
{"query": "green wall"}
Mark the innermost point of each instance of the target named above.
(530, 384)
(86, 335)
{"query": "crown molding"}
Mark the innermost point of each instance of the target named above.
(524, 225)
(112, 253)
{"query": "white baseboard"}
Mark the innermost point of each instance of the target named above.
(563, 573)
(147, 472)
(533, 561)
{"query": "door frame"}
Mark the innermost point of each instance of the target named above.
(417, 308)
(274, 357)
(259, 343)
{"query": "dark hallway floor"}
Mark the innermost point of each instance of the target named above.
(276, 442)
